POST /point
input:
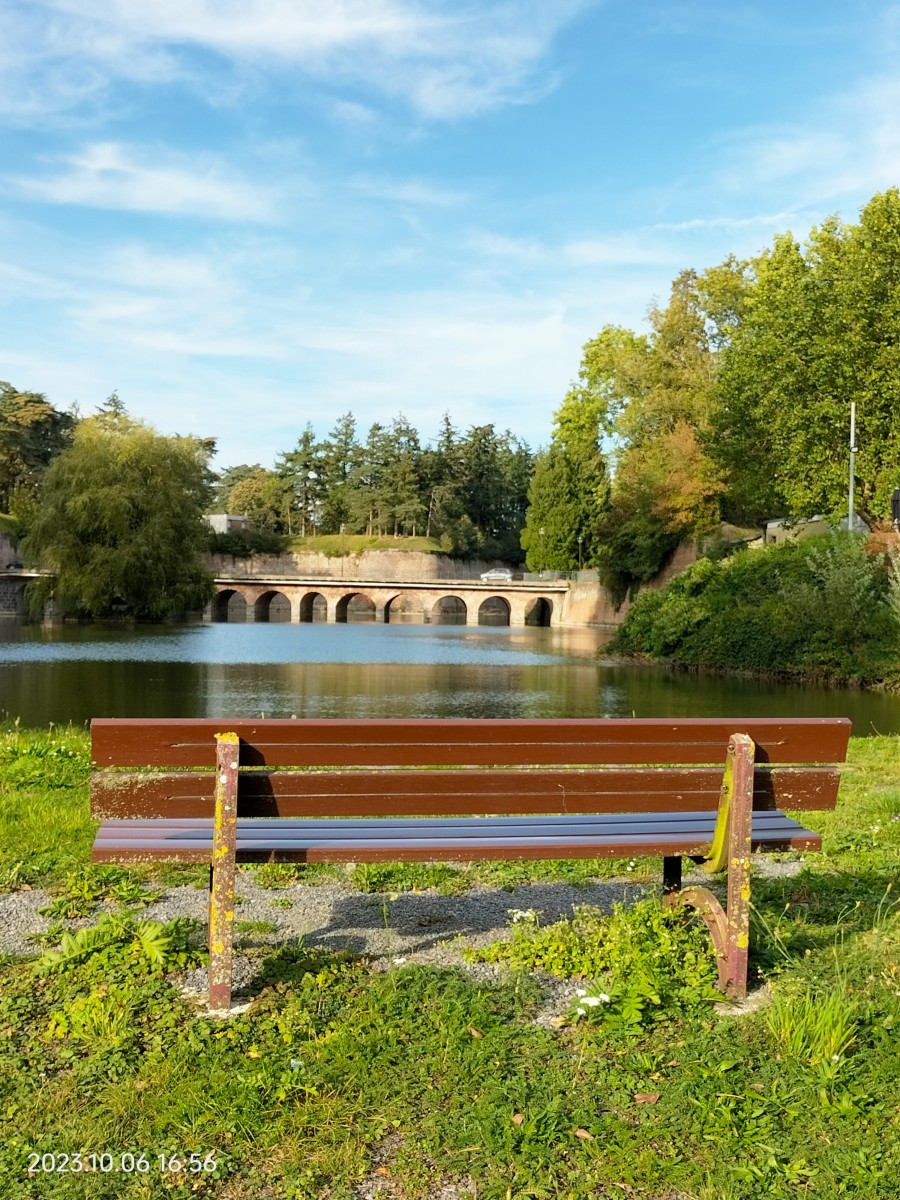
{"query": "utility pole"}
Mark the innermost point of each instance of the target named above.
(850, 521)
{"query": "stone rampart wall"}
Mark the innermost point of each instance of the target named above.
(384, 566)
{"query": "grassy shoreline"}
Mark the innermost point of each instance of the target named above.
(419, 1076)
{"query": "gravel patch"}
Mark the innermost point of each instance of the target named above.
(420, 927)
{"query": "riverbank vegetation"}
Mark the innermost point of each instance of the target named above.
(821, 607)
(416, 1076)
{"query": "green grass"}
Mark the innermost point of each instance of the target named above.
(9, 525)
(335, 546)
(446, 1077)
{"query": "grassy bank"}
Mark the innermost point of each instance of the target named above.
(418, 1075)
(334, 545)
(821, 608)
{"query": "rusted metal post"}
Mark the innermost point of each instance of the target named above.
(740, 829)
(730, 931)
(221, 897)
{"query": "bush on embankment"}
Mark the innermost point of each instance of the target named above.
(820, 607)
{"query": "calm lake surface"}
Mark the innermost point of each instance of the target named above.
(75, 672)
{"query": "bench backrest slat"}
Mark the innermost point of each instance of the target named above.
(464, 742)
(456, 792)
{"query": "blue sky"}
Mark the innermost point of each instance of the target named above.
(249, 214)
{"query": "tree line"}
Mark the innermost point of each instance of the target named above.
(468, 491)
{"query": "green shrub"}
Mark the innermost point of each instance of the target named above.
(819, 605)
(242, 543)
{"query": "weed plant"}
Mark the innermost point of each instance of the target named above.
(645, 963)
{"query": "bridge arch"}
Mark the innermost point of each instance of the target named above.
(495, 610)
(406, 606)
(20, 601)
(313, 607)
(449, 610)
(229, 605)
(272, 606)
(539, 611)
(354, 606)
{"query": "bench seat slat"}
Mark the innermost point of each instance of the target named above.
(335, 841)
(436, 826)
(433, 793)
(184, 742)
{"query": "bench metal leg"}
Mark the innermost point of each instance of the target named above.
(221, 897)
(729, 928)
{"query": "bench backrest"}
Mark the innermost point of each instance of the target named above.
(387, 767)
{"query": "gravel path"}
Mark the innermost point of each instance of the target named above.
(423, 927)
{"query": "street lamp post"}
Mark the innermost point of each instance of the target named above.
(580, 540)
(850, 514)
(541, 531)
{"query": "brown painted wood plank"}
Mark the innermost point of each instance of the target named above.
(139, 742)
(424, 793)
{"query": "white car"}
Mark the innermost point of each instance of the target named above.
(497, 575)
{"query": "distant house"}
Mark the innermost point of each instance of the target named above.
(776, 532)
(228, 522)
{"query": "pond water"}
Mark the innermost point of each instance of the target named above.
(71, 672)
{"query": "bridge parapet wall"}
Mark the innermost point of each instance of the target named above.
(384, 566)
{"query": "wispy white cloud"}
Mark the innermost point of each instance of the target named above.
(410, 191)
(109, 175)
(445, 59)
(759, 220)
(354, 114)
(637, 248)
(846, 144)
(619, 250)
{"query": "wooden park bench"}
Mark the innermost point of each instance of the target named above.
(221, 791)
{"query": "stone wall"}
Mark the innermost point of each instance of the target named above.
(8, 550)
(592, 604)
(586, 603)
(379, 566)
(12, 602)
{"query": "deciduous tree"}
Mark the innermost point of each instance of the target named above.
(120, 523)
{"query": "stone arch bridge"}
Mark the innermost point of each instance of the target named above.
(468, 602)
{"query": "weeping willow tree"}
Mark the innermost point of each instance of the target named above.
(120, 524)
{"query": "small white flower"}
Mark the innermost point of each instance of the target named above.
(521, 914)
(580, 1011)
(399, 961)
(580, 992)
(602, 996)
(591, 1001)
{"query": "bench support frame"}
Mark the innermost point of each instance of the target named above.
(729, 928)
(221, 895)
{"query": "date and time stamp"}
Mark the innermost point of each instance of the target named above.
(125, 1163)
